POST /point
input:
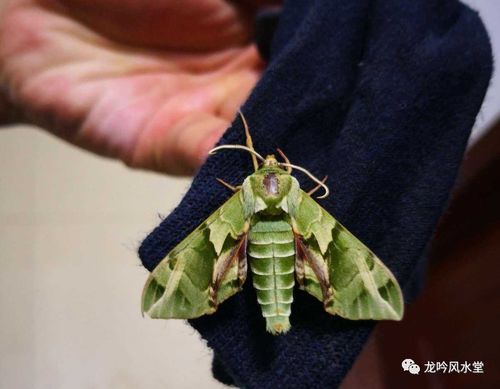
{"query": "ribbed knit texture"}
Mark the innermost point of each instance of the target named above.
(381, 97)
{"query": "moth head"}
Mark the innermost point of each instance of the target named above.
(270, 161)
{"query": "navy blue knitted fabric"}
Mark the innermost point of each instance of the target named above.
(380, 96)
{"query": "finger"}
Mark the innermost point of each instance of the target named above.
(190, 24)
(235, 94)
(233, 88)
(181, 148)
(177, 138)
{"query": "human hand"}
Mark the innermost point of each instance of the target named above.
(154, 84)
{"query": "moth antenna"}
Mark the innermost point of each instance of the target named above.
(249, 140)
(237, 147)
(282, 154)
(313, 190)
(310, 175)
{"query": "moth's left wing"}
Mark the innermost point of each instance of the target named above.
(204, 269)
(338, 269)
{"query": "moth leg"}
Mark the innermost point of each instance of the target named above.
(317, 266)
(249, 141)
(285, 158)
(313, 190)
(229, 186)
(237, 253)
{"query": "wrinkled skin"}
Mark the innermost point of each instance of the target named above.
(153, 83)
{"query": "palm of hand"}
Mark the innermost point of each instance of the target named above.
(141, 91)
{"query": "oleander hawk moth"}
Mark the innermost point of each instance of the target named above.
(287, 238)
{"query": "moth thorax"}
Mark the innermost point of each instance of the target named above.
(271, 184)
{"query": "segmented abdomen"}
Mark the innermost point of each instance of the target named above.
(271, 253)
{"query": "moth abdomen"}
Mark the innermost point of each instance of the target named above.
(271, 254)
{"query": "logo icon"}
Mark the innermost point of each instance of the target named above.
(409, 365)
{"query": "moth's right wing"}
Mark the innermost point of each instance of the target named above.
(203, 269)
(338, 269)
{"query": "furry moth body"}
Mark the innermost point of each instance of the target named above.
(286, 238)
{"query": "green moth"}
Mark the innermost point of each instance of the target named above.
(287, 238)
